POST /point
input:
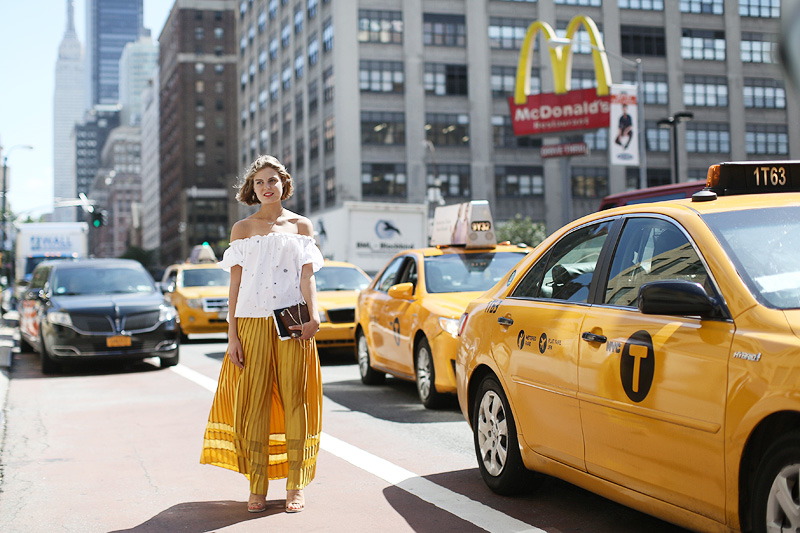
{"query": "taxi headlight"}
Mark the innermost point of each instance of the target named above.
(166, 313)
(194, 303)
(450, 325)
(323, 317)
(60, 318)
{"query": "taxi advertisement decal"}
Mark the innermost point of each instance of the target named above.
(543, 343)
(637, 365)
(524, 340)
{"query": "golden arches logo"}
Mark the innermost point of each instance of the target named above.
(561, 58)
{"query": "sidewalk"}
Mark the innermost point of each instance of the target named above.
(8, 328)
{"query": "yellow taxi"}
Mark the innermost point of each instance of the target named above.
(406, 319)
(338, 285)
(199, 291)
(650, 353)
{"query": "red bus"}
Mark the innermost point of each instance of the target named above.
(673, 191)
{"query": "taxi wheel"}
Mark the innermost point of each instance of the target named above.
(24, 346)
(49, 366)
(426, 376)
(369, 376)
(496, 444)
(776, 498)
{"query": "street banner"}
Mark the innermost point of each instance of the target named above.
(623, 136)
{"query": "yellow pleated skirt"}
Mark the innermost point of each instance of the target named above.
(266, 419)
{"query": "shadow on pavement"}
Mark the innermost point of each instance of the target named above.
(396, 401)
(27, 366)
(201, 517)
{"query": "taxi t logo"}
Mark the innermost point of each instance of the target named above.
(543, 343)
(396, 330)
(637, 365)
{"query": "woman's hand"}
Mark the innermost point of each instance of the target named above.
(307, 329)
(235, 352)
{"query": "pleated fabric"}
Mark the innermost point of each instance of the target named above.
(266, 419)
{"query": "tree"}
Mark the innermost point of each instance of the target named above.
(521, 230)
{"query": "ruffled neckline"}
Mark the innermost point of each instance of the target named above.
(273, 233)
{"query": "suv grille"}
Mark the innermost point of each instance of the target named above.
(215, 304)
(340, 316)
(92, 323)
(140, 321)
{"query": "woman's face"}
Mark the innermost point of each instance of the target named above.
(267, 185)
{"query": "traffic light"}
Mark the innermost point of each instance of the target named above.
(99, 218)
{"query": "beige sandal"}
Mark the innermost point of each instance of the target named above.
(295, 502)
(256, 506)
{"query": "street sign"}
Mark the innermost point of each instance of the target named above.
(564, 150)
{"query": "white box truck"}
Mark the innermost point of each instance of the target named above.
(368, 234)
(38, 241)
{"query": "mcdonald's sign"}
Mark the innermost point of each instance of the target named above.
(563, 110)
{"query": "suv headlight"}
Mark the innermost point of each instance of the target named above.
(166, 313)
(60, 318)
(450, 325)
(195, 303)
(323, 317)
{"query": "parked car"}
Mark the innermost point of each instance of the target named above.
(650, 353)
(92, 309)
(338, 284)
(199, 291)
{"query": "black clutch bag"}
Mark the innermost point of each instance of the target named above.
(294, 315)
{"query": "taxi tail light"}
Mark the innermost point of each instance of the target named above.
(712, 178)
(462, 322)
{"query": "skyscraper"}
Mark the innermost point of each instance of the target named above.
(110, 25)
(137, 68)
(68, 106)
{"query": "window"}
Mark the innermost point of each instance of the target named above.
(581, 43)
(381, 76)
(299, 63)
(383, 127)
(704, 137)
(441, 79)
(445, 129)
(286, 112)
(644, 5)
(711, 91)
(327, 36)
(218, 33)
(298, 18)
(313, 50)
(330, 134)
(262, 60)
(199, 68)
(311, 8)
(389, 274)
(756, 48)
(298, 108)
(286, 33)
(274, 85)
(595, 140)
(380, 26)
(657, 138)
(589, 182)
(706, 45)
(453, 180)
(242, 44)
(706, 7)
(313, 144)
(760, 8)
(766, 93)
(330, 187)
(286, 76)
(199, 86)
(327, 85)
(583, 79)
(273, 48)
(300, 152)
(762, 139)
(198, 34)
(273, 9)
(595, 3)
(315, 193)
(263, 137)
(655, 91)
(504, 79)
(517, 181)
(565, 272)
(503, 134)
(642, 41)
(443, 30)
(507, 33)
(383, 179)
(313, 96)
(650, 249)
(273, 126)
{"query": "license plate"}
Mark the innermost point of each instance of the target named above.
(118, 341)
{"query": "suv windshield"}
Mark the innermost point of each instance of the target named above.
(331, 278)
(764, 245)
(100, 280)
(465, 272)
(206, 277)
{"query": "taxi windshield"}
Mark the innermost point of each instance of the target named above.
(331, 278)
(764, 245)
(206, 277)
(467, 272)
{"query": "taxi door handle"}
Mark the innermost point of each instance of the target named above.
(505, 321)
(591, 337)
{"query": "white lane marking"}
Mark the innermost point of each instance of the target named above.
(459, 505)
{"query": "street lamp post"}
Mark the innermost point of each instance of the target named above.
(5, 189)
(672, 122)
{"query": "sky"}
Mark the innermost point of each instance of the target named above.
(30, 33)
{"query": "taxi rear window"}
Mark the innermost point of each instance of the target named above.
(764, 245)
(468, 272)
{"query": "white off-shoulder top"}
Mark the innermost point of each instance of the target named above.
(271, 266)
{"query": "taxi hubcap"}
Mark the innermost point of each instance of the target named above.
(363, 355)
(424, 373)
(783, 504)
(492, 433)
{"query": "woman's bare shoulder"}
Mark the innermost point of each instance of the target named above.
(303, 224)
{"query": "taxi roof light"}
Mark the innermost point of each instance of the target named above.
(752, 177)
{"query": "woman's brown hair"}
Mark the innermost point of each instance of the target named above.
(247, 195)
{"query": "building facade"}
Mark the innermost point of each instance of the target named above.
(68, 108)
(137, 67)
(383, 100)
(110, 25)
(151, 185)
(89, 140)
(197, 80)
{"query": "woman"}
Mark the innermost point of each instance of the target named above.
(265, 421)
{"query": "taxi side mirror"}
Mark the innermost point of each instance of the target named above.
(402, 291)
(675, 297)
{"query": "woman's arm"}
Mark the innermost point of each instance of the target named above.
(308, 287)
(235, 352)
